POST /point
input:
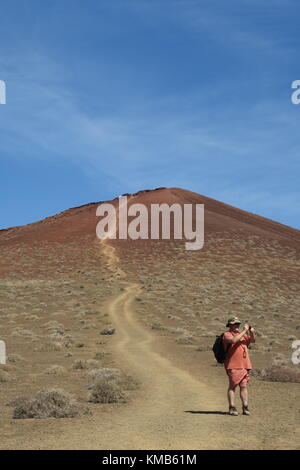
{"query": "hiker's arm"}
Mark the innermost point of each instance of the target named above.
(238, 337)
(252, 335)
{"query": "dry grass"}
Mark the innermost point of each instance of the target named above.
(277, 374)
(5, 376)
(55, 370)
(106, 391)
(51, 403)
(107, 385)
(15, 358)
(79, 364)
(107, 331)
(253, 278)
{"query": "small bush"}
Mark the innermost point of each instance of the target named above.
(23, 333)
(112, 375)
(157, 326)
(49, 346)
(99, 355)
(87, 324)
(5, 376)
(15, 358)
(280, 360)
(79, 364)
(53, 325)
(55, 370)
(185, 340)
(277, 374)
(51, 403)
(107, 331)
(92, 363)
(106, 391)
(31, 317)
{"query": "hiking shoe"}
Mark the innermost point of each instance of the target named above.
(233, 411)
(246, 410)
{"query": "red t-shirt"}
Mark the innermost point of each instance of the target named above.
(237, 356)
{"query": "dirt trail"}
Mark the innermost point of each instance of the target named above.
(158, 418)
(157, 414)
(173, 409)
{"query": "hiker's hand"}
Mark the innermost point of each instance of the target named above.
(252, 330)
(246, 327)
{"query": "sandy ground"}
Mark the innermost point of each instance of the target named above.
(180, 403)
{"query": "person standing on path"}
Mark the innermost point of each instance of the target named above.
(237, 362)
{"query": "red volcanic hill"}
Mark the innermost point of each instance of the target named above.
(80, 222)
(60, 287)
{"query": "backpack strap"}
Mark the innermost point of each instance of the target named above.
(228, 346)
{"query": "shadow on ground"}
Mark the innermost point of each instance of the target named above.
(207, 412)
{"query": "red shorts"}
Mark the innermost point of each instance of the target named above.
(239, 377)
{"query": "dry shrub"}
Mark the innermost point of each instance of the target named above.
(79, 364)
(87, 324)
(277, 374)
(53, 325)
(107, 331)
(5, 376)
(32, 317)
(99, 355)
(92, 363)
(23, 333)
(65, 340)
(185, 340)
(106, 391)
(107, 385)
(112, 375)
(15, 358)
(51, 403)
(280, 360)
(49, 346)
(55, 370)
(158, 326)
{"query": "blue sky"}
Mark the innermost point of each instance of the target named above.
(106, 97)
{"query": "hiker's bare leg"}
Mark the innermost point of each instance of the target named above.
(230, 395)
(244, 394)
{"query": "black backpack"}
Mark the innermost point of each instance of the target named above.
(218, 349)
